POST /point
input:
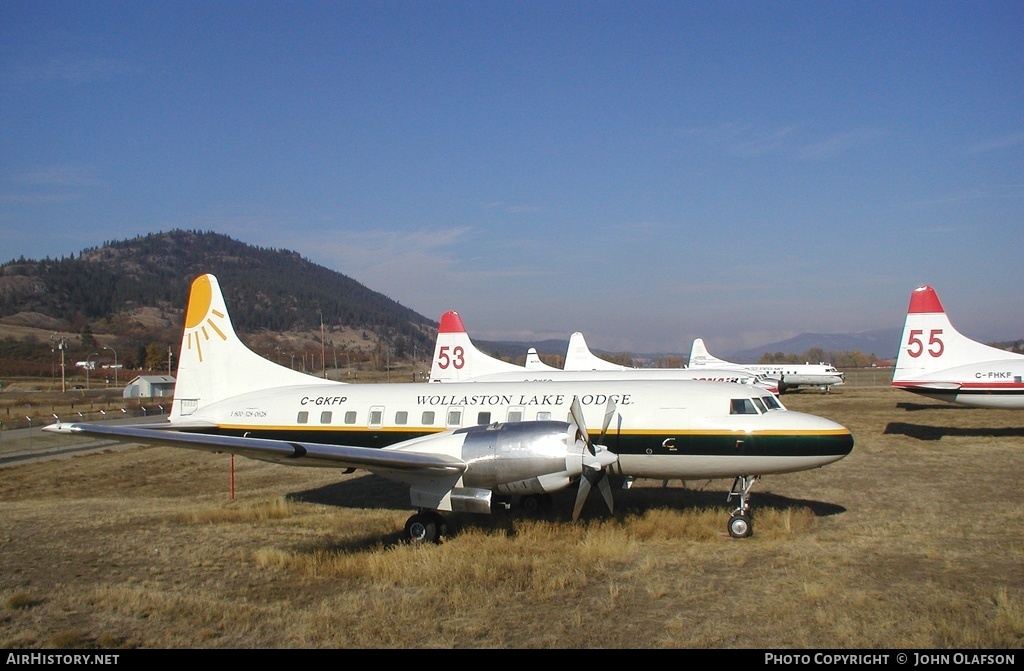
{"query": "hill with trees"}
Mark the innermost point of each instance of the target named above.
(130, 296)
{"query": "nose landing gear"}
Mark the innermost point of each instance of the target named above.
(740, 524)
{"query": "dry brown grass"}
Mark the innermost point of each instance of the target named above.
(914, 541)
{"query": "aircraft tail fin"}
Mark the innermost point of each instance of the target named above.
(213, 363)
(579, 357)
(457, 358)
(700, 356)
(930, 342)
(533, 361)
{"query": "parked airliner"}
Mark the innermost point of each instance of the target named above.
(937, 361)
(477, 446)
(788, 375)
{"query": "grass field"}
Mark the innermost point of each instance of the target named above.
(915, 540)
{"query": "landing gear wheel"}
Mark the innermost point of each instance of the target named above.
(740, 526)
(532, 504)
(424, 527)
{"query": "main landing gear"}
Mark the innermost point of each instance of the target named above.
(426, 526)
(740, 524)
(535, 504)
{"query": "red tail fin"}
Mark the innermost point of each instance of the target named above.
(451, 322)
(924, 299)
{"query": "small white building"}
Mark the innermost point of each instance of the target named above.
(149, 386)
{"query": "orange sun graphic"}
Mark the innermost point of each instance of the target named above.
(199, 320)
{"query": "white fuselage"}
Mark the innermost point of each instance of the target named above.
(990, 384)
(668, 429)
(792, 375)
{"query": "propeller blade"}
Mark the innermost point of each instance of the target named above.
(576, 410)
(606, 492)
(581, 493)
(609, 412)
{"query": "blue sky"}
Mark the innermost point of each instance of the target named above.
(643, 172)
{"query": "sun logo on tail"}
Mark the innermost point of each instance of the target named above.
(199, 320)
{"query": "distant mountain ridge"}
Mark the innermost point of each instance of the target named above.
(882, 343)
(512, 350)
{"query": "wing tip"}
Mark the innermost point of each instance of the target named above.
(62, 427)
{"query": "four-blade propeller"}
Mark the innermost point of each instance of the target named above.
(594, 459)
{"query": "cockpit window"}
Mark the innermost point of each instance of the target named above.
(759, 404)
(742, 406)
(771, 402)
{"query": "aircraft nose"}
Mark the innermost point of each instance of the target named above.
(842, 442)
(830, 438)
(836, 440)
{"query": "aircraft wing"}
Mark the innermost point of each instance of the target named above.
(293, 453)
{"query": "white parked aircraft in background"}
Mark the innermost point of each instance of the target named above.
(472, 447)
(456, 358)
(533, 361)
(579, 357)
(937, 361)
(788, 375)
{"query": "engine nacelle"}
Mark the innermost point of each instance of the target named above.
(522, 457)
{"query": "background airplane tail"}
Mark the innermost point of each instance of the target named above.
(930, 342)
(699, 356)
(213, 364)
(457, 358)
(534, 362)
(579, 357)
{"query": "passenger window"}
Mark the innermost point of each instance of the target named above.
(742, 406)
(303, 417)
(401, 417)
(325, 417)
(350, 417)
(454, 417)
(428, 418)
(483, 418)
(376, 417)
(515, 415)
(543, 416)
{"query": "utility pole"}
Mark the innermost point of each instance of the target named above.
(88, 367)
(61, 346)
(323, 347)
(115, 363)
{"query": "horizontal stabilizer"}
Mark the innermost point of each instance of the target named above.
(937, 386)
